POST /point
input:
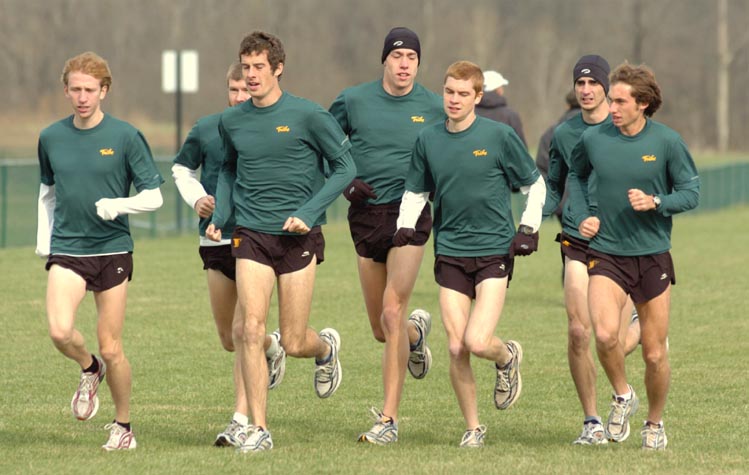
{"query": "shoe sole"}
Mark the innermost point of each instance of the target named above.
(133, 445)
(427, 352)
(427, 365)
(96, 397)
(364, 438)
(90, 416)
(580, 442)
(520, 378)
(337, 339)
(266, 445)
(280, 374)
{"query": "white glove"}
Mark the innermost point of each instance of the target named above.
(107, 209)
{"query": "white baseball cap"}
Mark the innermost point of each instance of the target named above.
(493, 80)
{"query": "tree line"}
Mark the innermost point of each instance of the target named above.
(699, 50)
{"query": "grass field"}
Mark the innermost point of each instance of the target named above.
(182, 394)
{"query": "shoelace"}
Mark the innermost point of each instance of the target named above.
(619, 410)
(504, 374)
(115, 433)
(383, 423)
(652, 434)
(504, 378)
(234, 429)
(256, 436)
(87, 383)
(477, 434)
(380, 418)
(589, 430)
(418, 356)
(326, 370)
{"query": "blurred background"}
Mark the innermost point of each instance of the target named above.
(699, 50)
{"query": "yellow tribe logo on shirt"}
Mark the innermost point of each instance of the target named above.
(480, 153)
(417, 119)
(648, 158)
(283, 129)
(106, 152)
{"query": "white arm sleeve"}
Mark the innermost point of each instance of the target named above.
(147, 200)
(188, 185)
(45, 219)
(411, 206)
(535, 204)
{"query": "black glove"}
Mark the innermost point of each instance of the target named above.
(524, 243)
(358, 191)
(403, 237)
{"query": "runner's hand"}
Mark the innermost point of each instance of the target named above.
(213, 233)
(523, 244)
(403, 237)
(358, 192)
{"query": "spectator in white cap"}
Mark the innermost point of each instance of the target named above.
(494, 106)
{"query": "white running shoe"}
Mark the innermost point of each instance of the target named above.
(420, 358)
(383, 432)
(119, 438)
(276, 362)
(617, 427)
(509, 384)
(85, 402)
(328, 375)
(473, 438)
(593, 434)
(233, 436)
(258, 439)
(653, 437)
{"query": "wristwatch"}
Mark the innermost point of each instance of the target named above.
(527, 230)
(657, 201)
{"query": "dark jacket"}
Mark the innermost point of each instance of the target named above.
(493, 106)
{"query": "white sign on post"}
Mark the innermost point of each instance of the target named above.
(188, 71)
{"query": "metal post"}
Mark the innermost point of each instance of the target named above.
(178, 110)
(4, 205)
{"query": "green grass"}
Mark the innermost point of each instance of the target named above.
(182, 393)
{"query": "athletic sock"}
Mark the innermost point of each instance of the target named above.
(126, 425)
(240, 418)
(94, 366)
(626, 396)
(592, 420)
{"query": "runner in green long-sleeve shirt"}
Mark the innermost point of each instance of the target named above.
(644, 175)
(88, 163)
(203, 150)
(591, 84)
(273, 178)
(382, 119)
(471, 164)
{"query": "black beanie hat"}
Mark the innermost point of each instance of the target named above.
(592, 66)
(401, 37)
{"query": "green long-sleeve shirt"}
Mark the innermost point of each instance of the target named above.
(383, 129)
(273, 166)
(656, 161)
